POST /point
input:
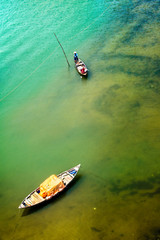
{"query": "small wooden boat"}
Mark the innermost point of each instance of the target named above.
(49, 188)
(81, 68)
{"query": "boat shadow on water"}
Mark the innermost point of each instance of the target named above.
(56, 198)
(87, 78)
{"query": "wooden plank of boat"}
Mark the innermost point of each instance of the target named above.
(81, 68)
(34, 198)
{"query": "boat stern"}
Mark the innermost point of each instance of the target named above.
(21, 206)
(77, 167)
(73, 171)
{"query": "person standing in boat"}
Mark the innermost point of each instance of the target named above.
(75, 57)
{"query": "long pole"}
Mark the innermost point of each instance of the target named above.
(62, 49)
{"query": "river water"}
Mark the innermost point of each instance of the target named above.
(52, 120)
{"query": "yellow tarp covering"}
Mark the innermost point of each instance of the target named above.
(51, 186)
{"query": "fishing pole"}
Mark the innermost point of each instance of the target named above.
(62, 49)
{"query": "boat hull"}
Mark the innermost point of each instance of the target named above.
(34, 199)
(79, 64)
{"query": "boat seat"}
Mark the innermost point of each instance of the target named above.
(27, 202)
(37, 197)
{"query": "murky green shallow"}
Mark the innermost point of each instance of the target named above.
(51, 119)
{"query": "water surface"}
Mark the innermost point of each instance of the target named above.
(51, 119)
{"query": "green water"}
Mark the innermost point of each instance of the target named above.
(51, 119)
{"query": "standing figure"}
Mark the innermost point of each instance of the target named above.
(75, 57)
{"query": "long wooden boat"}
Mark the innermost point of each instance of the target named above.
(81, 68)
(60, 182)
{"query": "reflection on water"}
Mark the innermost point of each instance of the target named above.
(109, 123)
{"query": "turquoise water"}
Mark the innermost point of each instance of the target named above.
(51, 119)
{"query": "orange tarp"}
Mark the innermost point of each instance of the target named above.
(51, 186)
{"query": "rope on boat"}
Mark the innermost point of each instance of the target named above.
(35, 70)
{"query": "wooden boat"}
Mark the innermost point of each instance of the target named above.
(81, 68)
(61, 181)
